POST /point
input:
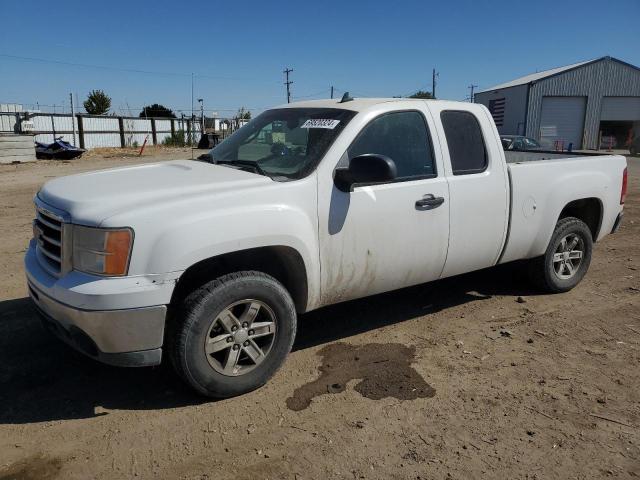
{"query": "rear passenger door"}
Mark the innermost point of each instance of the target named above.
(478, 187)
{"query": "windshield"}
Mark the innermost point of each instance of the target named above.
(531, 143)
(286, 142)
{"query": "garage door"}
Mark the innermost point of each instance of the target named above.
(562, 119)
(620, 108)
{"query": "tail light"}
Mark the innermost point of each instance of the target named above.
(623, 192)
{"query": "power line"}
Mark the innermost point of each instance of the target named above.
(287, 71)
(123, 69)
(185, 109)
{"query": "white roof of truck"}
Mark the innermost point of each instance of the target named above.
(357, 104)
(361, 104)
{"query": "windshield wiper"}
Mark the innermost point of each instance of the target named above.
(244, 163)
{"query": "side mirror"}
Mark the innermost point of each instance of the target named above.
(206, 157)
(365, 169)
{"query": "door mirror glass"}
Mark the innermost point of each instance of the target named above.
(206, 157)
(365, 170)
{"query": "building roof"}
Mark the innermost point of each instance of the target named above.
(535, 76)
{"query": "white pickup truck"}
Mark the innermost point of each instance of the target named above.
(309, 204)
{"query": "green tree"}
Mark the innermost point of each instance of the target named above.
(243, 114)
(156, 110)
(421, 94)
(97, 103)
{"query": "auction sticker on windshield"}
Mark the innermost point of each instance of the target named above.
(320, 123)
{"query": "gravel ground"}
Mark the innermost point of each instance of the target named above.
(477, 376)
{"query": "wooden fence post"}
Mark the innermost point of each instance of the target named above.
(153, 131)
(80, 131)
(173, 128)
(121, 128)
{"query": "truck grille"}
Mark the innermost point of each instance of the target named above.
(48, 232)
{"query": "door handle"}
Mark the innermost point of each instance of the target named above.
(429, 202)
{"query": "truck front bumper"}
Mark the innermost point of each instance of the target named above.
(116, 321)
(125, 338)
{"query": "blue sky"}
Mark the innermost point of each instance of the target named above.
(238, 49)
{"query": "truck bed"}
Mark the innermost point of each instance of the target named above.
(542, 183)
(518, 156)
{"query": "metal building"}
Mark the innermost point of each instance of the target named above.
(592, 105)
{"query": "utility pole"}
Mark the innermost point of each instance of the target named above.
(433, 82)
(472, 87)
(73, 119)
(331, 91)
(201, 101)
(287, 71)
(191, 135)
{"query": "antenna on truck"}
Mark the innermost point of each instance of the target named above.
(345, 98)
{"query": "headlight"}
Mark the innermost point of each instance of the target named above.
(102, 251)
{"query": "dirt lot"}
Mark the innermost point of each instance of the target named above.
(456, 379)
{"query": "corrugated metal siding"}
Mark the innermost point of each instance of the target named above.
(137, 125)
(160, 137)
(50, 137)
(8, 123)
(515, 102)
(95, 124)
(42, 123)
(64, 124)
(163, 125)
(620, 108)
(596, 80)
(51, 127)
(98, 131)
(97, 140)
(10, 107)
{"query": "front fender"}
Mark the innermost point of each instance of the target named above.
(201, 236)
(176, 232)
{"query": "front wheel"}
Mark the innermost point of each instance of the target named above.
(231, 335)
(567, 258)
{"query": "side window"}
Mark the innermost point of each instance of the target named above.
(464, 139)
(401, 136)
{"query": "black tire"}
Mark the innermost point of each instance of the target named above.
(193, 319)
(542, 269)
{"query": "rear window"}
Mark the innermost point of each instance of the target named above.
(466, 144)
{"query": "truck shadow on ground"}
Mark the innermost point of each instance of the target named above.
(42, 379)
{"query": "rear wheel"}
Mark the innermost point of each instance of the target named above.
(567, 258)
(231, 335)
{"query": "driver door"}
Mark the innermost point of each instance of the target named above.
(381, 237)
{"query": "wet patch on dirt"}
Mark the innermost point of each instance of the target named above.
(33, 468)
(384, 370)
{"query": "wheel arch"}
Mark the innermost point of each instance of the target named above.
(283, 263)
(589, 210)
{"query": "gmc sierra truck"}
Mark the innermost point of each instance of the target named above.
(208, 262)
